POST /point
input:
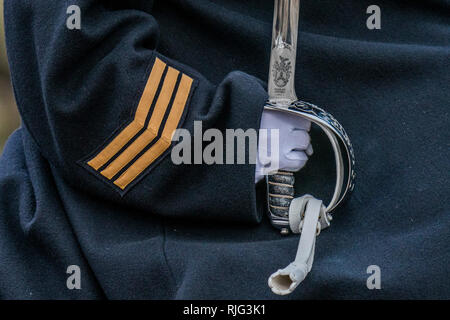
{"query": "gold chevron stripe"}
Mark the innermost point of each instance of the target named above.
(139, 119)
(164, 142)
(152, 129)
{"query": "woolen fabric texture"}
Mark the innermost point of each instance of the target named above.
(200, 231)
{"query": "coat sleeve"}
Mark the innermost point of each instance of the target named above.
(101, 103)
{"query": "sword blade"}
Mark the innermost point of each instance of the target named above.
(283, 52)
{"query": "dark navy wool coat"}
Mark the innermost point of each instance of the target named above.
(200, 231)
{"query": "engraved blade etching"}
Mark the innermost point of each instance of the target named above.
(283, 52)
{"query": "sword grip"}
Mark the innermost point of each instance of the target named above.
(281, 193)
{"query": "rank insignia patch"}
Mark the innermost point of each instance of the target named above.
(125, 157)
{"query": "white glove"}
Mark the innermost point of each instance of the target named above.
(287, 148)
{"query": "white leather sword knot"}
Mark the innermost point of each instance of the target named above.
(307, 215)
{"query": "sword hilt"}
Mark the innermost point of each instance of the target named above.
(280, 186)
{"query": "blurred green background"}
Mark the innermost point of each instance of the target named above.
(9, 117)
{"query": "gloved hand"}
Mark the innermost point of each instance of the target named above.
(287, 148)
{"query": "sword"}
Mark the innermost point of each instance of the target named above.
(282, 97)
(306, 215)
